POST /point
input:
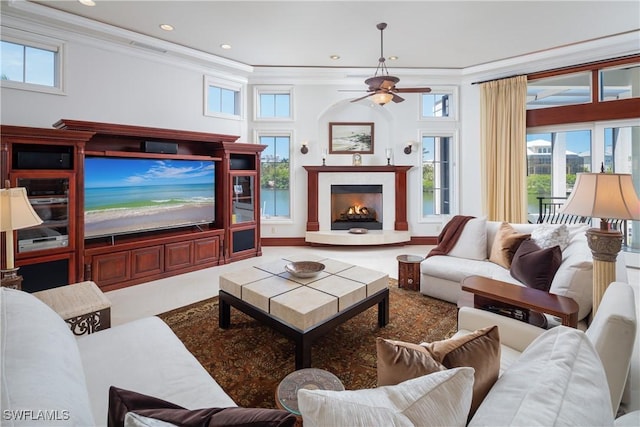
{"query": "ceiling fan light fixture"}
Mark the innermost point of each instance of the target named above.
(381, 98)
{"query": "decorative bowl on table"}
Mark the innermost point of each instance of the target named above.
(304, 268)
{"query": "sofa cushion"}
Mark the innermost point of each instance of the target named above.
(479, 350)
(399, 361)
(41, 366)
(549, 385)
(439, 399)
(505, 244)
(122, 402)
(472, 243)
(120, 356)
(534, 266)
(550, 235)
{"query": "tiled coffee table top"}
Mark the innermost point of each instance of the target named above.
(303, 302)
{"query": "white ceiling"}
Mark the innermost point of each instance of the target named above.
(423, 34)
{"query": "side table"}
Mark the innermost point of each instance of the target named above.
(490, 291)
(409, 271)
(308, 378)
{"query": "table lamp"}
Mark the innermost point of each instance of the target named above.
(605, 196)
(15, 213)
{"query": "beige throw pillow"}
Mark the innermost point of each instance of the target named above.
(505, 245)
(479, 350)
(398, 361)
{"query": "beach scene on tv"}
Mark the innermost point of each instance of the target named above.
(125, 195)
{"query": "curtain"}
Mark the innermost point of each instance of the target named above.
(504, 154)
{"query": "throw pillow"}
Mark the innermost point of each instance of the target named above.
(505, 245)
(549, 235)
(479, 350)
(121, 402)
(472, 243)
(399, 361)
(438, 399)
(536, 267)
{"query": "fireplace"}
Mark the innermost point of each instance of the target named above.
(356, 206)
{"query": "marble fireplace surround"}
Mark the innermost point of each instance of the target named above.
(394, 193)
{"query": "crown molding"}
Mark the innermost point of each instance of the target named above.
(72, 27)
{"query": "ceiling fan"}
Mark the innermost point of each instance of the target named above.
(382, 86)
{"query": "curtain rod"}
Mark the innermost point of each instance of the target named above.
(500, 78)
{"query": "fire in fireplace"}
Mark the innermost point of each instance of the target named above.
(356, 206)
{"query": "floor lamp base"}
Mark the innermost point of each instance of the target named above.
(605, 246)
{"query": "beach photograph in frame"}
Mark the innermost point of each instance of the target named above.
(349, 138)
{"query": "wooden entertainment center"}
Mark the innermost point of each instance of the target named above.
(50, 163)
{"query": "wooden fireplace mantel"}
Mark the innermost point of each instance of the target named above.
(400, 172)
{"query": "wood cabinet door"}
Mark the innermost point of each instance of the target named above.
(206, 250)
(111, 268)
(178, 255)
(147, 261)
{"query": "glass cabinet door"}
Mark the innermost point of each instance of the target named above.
(242, 199)
(49, 197)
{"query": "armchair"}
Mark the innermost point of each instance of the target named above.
(612, 332)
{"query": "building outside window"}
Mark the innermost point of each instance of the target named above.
(436, 175)
(275, 176)
(439, 104)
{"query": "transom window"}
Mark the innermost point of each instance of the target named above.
(31, 63)
(275, 176)
(273, 103)
(438, 104)
(222, 99)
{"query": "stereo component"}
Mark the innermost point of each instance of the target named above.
(160, 147)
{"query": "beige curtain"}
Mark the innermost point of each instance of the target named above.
(504, 153)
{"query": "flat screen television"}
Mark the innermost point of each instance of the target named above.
(129, 195)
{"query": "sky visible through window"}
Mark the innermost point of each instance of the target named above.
(27, 64)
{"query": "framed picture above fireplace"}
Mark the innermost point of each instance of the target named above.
(349, 138)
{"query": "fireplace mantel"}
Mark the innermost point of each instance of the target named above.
(400, 223)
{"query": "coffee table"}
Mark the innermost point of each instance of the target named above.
(303, 309)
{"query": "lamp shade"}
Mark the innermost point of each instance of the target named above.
(603, 195)
(381, 98)
(15, 210)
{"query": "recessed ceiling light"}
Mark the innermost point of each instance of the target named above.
(393, 58)
(166, 27)
(335, 57)
(225, 46)
(87, 2)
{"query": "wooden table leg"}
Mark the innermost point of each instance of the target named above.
(224, 314)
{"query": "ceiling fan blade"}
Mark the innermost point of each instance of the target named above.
(397, 98)
(412, 90)
(361, 98)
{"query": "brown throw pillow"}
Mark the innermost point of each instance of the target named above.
(400, 361)
(123, 401)
(536, 267)
(479, 350)
(505, 245)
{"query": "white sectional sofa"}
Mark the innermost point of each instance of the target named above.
(441, 275)
(51, 378)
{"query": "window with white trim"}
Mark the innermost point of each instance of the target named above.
(275, 175)
(439, 104)
(222, 98)
(437, 174)
(31, 63)
(273, 103)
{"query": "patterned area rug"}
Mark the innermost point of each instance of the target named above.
(248, 360)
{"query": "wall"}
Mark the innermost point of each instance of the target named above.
(111, 81)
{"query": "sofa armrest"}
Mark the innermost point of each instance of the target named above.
(513, 333)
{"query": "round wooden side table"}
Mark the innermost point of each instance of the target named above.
(308, 378)
(409, 271)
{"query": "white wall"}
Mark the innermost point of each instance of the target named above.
(110, 81)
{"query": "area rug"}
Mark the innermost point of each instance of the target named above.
(248, 360)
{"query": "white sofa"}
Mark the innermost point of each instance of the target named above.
(51, 378)
(441, 275)
(557, 377)
(612, 333)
